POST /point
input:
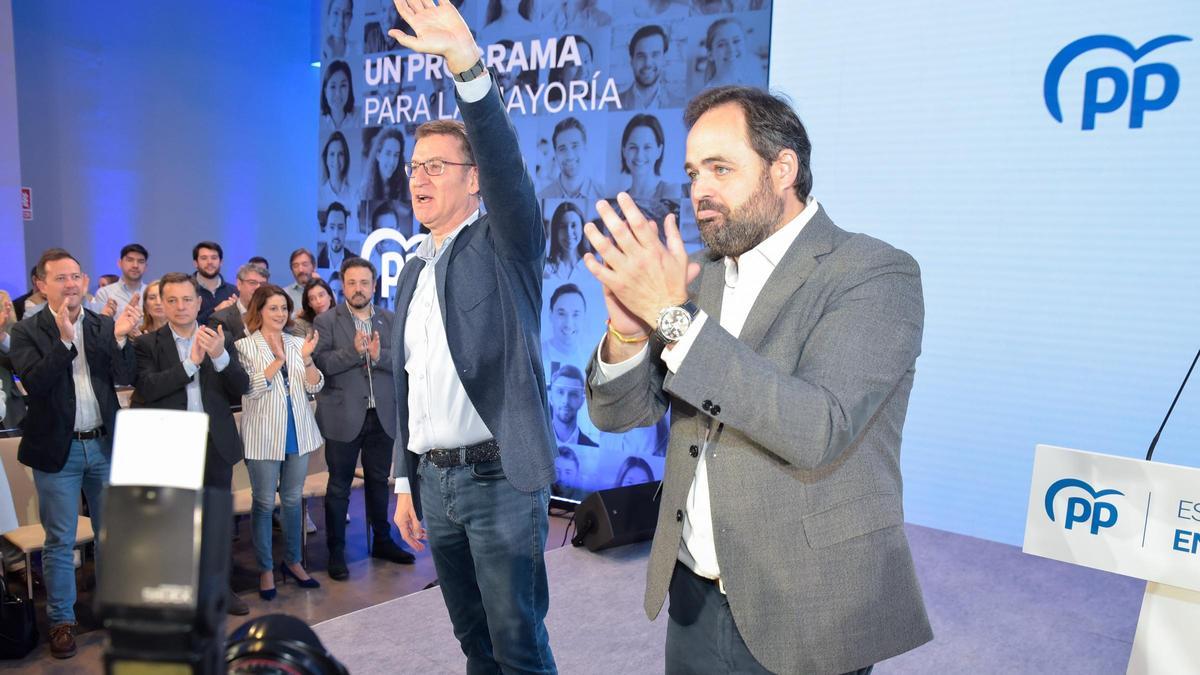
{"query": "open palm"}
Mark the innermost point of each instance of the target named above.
(438, 29)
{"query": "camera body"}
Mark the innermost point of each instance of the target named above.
(167, 551)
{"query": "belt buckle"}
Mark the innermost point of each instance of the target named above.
(721, 585)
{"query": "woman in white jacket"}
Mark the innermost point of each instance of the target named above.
(279, 428)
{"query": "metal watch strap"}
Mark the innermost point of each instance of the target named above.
(471, 73)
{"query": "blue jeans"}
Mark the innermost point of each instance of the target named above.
(267, 476)
(487, 540)
(58, 507)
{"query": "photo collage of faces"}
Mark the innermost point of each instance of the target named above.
(659, 53)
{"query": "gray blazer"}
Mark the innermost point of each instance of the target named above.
(342, 404)
(231, 318)
(806, 408)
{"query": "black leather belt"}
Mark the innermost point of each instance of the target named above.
(679, 566)
(444, 458)
(88, 435)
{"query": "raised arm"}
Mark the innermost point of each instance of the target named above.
(504, 182)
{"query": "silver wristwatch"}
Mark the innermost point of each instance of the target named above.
(673, 322)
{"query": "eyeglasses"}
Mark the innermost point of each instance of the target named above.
(433, 167)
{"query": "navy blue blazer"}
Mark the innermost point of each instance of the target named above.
(490, 295)
(44, 365)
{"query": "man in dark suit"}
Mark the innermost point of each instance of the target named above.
(68, 358)
(356, 412)
(249, 277)
(474, 447)
(786, 352)
(187, 366)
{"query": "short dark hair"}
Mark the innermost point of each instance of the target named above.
(565, 452)
(355, 261)
(567, 370)
(109, 278)
(135, 248)
(299, 252)
(211, 245)
(334, 206)
(645, 32)
(177, 278)
(771, 126)
(563, 290)
(259, 260)
(563, 125)
(48, 256)
(262, 294)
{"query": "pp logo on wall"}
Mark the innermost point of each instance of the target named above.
(1146, 86)
(1086, 508)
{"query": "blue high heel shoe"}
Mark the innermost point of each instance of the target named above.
(267, 595)
(302, 583)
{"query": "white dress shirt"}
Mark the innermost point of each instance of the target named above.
(364, 326)
(745, 278)
(87, 407)
(295, 291)
(440, 414)
(119, 292)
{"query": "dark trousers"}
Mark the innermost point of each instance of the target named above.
(341, 457)
(701, 634)
(217, 472)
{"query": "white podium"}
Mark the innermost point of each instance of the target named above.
(1132, 517)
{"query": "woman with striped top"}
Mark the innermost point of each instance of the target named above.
(278, 427)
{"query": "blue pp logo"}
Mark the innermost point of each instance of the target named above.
(1089, 509)
(1124, 88)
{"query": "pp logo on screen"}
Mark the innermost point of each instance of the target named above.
(390, 261)
(1134, 89)
(1083, 509)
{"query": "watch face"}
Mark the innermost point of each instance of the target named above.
(673, 323)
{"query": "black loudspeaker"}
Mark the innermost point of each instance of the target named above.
(624, 515)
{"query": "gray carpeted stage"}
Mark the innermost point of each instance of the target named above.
(993, 609)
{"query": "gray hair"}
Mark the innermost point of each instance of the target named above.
(253, 268)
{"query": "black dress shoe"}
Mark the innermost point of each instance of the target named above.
(386, 549)
(302, 583)
(337, 566)
(236, 606)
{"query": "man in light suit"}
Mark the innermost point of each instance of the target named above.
(474, 450)
(786, 353)
(356, 412)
